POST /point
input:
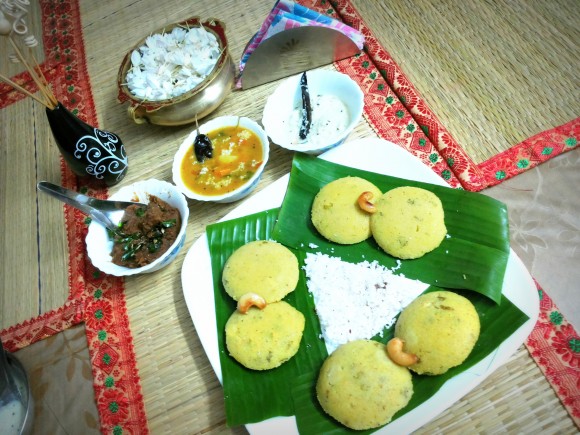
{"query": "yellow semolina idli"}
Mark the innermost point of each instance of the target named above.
(264, 267)
(440, 328)
(263, 339)
(360, 387)
(336, 214)
(409, 222)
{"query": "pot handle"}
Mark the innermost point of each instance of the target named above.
(137, 114)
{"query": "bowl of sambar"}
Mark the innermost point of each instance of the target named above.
(222, 160)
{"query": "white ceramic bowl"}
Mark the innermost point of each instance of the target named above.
(99, 245)
(222, 121)
(280, 106)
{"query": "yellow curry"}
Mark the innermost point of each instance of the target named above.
(237, 154)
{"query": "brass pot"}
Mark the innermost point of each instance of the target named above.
(196, 103)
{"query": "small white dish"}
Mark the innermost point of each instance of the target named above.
(100, 245)
(282, 112)
(222, 121)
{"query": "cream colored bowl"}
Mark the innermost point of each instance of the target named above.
(279, 118)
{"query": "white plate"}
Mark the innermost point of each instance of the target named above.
(384, 157)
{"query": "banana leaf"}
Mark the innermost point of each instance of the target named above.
(252, 396)
(473, 256)
(498, 322)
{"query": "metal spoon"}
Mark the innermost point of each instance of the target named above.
(100, 210)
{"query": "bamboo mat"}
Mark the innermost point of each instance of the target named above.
(494, 73)
(180, 391)
(168, 377)
(31, 264)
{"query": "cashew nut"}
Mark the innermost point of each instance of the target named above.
(398, 355)
(250, 300)
(364, 202)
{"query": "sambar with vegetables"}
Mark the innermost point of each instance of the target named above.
(237, 155)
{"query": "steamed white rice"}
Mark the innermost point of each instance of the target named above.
(356, 301)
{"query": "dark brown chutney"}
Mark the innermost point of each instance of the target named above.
(145, 233)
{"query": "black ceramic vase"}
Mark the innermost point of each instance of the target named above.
(87, 150)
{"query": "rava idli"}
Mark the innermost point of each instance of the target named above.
(264, 267)
(263, 339)
(360, 387)
(336, 214)
(409, 222)
(439, 328)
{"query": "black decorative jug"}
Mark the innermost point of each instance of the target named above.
(87, 150)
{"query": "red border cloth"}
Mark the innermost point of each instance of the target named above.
(394, 109)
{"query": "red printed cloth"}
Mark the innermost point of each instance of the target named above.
(94, 298)
(396, 112)
(517, 159)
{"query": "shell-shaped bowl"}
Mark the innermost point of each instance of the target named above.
(222, 121)
(100, 245)
(281, 104)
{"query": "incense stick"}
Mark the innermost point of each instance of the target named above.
(19, 88)
(41, 86)
(8, 28)
(50, 94)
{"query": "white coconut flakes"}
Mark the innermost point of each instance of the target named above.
(356, 301)
(169, 64)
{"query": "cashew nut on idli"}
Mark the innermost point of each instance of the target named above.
(250, 300)
(364, 202)
(398, 355)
